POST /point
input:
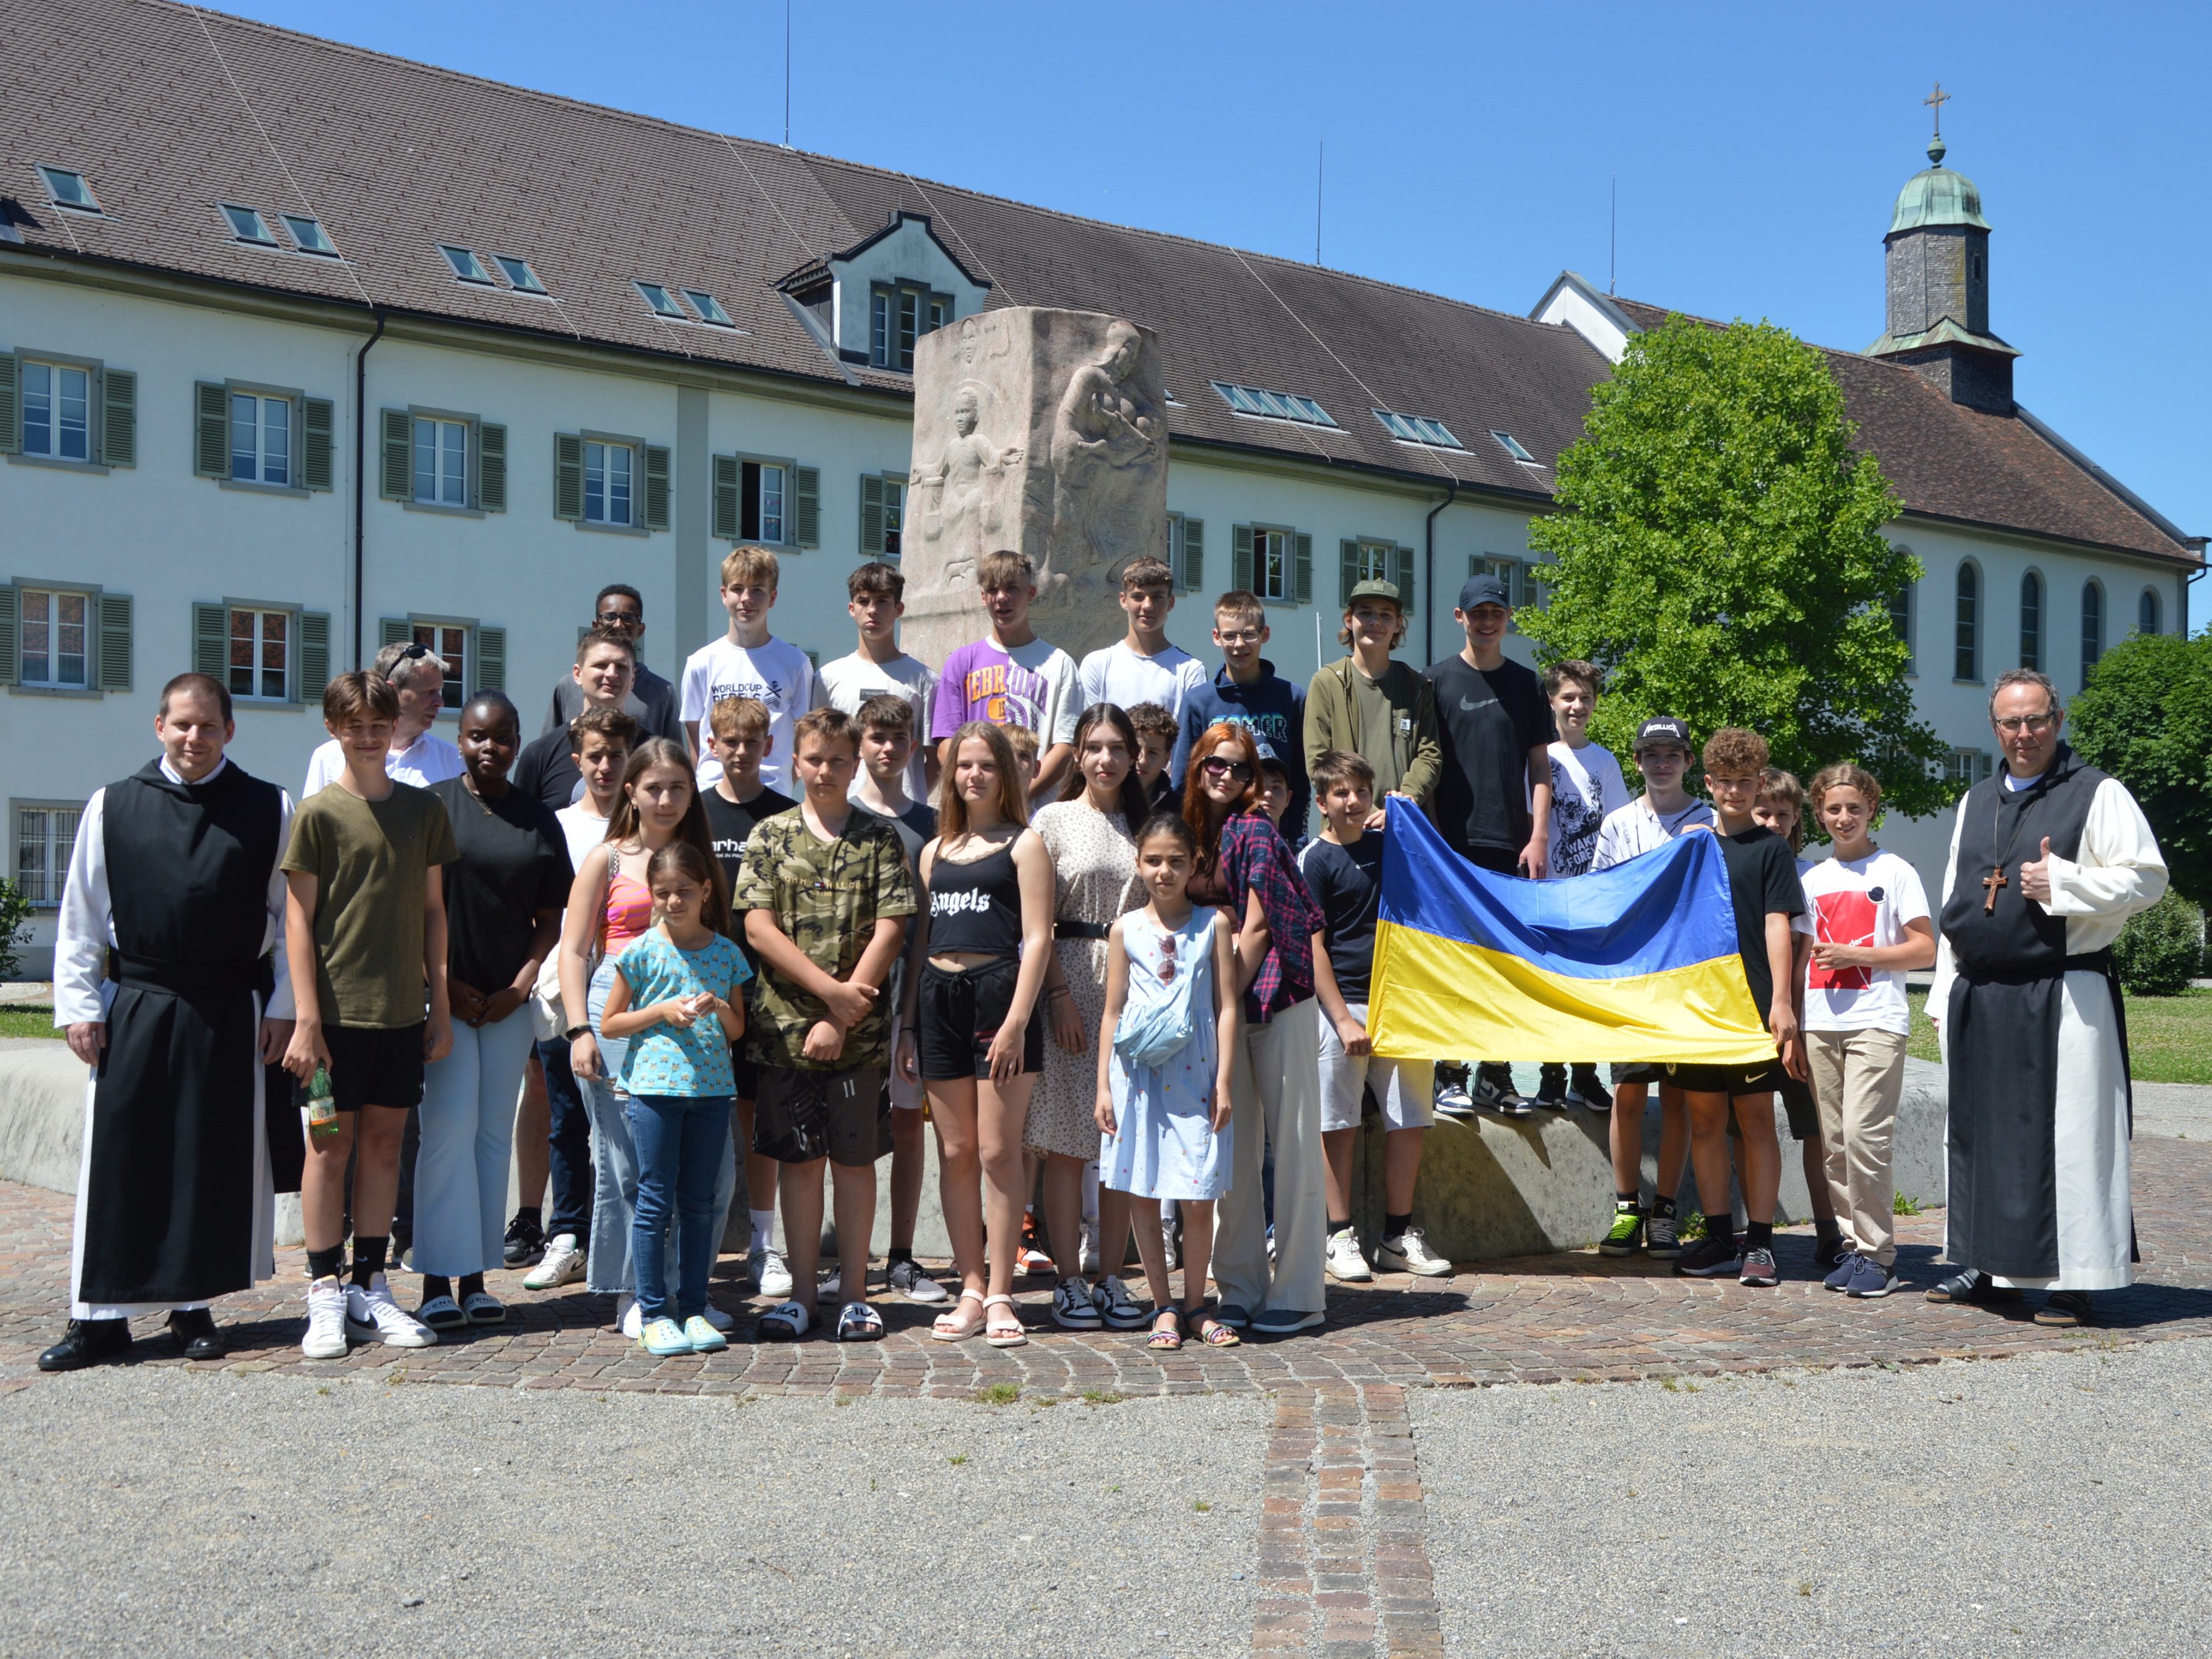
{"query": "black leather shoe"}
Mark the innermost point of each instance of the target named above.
(195, 1335)
(89, 1342)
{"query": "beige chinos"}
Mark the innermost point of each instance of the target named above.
(1275, 1097)
(1858, 1078)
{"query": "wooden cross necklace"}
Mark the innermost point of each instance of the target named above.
(1995, 878)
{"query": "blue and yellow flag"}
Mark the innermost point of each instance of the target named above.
(1637, 962)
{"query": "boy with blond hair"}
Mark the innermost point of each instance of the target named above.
(1011, 677)
(748, 661)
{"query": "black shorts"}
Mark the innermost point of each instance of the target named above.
(1638, 1071)
(747, 1075)
(371, 1068)
(960, 1012)
(1735, 1081)
(801, 1115)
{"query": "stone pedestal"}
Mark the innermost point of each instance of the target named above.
(1043, 432)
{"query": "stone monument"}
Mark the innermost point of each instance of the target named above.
(1042, 431)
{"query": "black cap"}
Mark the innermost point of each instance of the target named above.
(1483, 590)
(1661, 728)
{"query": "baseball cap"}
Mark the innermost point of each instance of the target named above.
(1661, 728)
(1372, 589)
(1483, 590)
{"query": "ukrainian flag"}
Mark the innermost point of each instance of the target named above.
(1637, 962)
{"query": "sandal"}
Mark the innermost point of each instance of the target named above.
(484, 1308)
(858, 1322)
(948, 1327)
(1166, 1338)
(1005, 1333)
(786, 1321)
(442, 1313)
(1215, 1335)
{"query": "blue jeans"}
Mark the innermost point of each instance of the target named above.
(681, 1141)
(569, 1144)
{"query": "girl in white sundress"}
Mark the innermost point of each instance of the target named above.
(1165, 1046)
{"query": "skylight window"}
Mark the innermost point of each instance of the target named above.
(708, 307)
(466, 265)
(69, 189)
(520, 273)
(1273, 405)
(1511, 446)
(1417, 429)
(310, 235)
(247, 225)
(662, 301)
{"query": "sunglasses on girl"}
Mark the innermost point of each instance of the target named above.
(1215, 766)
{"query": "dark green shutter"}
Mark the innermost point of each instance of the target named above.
(726, 497)
(1194, 555)
(211, 641)
(8, 630)
(567, 475)
(114, 641)
(871, 515)
(806, 499)
(1404, 563)
(491, 658)
(318, 420)
(491, 466)
(10, 432)
(1347, 573)
(314, 673)
(1302, 568)
(393, 631)
(656, 486)
(397, 483)
(1240, 561)
(118, 417)
(210, 429)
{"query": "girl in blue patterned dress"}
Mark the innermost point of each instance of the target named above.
(1164, 1049)
(675, 996)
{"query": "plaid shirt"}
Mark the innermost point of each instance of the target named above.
(1255, 858)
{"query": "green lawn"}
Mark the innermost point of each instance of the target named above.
(2170, 1038)
(18, 1021)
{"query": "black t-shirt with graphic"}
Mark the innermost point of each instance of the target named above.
(730, 824)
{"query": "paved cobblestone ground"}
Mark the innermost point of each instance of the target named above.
(1344, 1566)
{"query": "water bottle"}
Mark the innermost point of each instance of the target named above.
(322, 1108)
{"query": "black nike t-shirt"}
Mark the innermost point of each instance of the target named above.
(1490, 719)
(1762, 874)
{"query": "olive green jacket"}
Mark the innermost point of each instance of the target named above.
(1415, 755)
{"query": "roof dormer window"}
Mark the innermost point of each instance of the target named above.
(1262, 404)
(246, 225)
(69, 189)
(1417, 429)
(519, 273)
(466, 265)
(1511, 446)
(708, 307)
(309, 235)
(662, 301)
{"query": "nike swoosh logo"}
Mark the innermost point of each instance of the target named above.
(1469, 707)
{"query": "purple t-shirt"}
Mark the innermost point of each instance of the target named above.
(1032, 686)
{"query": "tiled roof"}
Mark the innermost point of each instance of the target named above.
(2006, 471)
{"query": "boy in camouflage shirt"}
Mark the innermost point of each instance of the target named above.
(826, 893)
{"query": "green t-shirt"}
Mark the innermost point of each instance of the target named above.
(369, 859)
(827, 897)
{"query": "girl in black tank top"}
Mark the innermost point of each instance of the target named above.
(975, 907)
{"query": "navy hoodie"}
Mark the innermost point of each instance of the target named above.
(1275, 709)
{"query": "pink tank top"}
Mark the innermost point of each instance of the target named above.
(628, 911)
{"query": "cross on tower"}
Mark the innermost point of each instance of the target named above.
(1935, 101)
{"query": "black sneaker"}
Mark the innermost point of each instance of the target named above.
(525, 1242)
(1583, 1089)
(1713, 1257)
(1494, 1092)
(1829, 1250)
(1551, 1088)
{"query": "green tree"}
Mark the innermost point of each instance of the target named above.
(1720, 555)
(15, 911)
(2146, 717)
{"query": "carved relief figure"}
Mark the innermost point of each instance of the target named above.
(960, 490)
(1103, 424)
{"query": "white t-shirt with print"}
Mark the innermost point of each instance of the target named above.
(1635, 829)
(851, 681)
(1586, 787)
(1865, 901)
(775, 673)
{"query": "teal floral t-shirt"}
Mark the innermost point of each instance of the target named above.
(689, 1062)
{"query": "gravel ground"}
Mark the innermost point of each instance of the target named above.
(2046, 1505)
(158, 1512)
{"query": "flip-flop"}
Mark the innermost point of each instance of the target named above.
(858, 1322)
(786, 1321)
(484, 1308)
(953, 1331)
(442, 1313)
(1003, 1333)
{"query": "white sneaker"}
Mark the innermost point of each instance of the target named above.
(326, 1321)
(1168, 1245)
(629, 1318)
(371, 1316)
(771, 1276)
(1409, 1253)
(1345, 1261)
(563, 1264)
(1088, 1254)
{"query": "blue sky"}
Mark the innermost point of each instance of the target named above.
(1472, 149)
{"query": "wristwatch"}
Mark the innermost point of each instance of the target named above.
(575, 1031)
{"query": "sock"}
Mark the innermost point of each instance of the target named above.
(1663, 1206)
(1624, 1202)
(1828, 1230)
(435, 1286)
(763, 1228)
(471, 1285)
(1722, 1227)
(894, 1255)
(1394, 1227)
(1336, 1226)
(1759, 1235)
(323, 1264)
(367, 1259)
(532, 1213)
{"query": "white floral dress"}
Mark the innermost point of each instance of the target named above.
(1094, 866)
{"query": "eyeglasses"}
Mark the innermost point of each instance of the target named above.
(411, 651)
(1241, 636)
(2014, 725)
(1215, 767)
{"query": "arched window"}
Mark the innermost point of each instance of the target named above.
(2093, 627)
(2147, 611)
(1967, 661)
(2031, 621)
